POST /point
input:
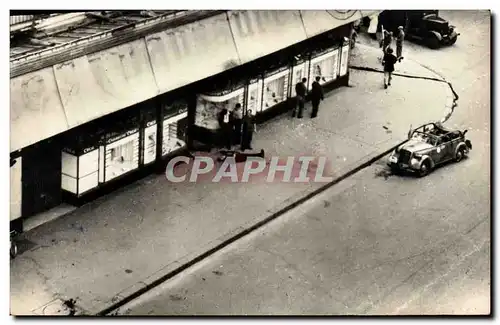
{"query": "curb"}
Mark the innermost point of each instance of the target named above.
(115, 306)
(451, 102)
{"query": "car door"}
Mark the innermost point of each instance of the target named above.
(440, 150)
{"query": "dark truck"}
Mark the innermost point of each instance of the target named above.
(422, 26)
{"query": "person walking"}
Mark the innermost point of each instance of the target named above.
(225, 128)
(399, 43)
(389, 61)
(317, 96)
(249, 128)
(236, 121)
(301, 92)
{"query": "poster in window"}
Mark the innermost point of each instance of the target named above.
(275, 89)
(344, 60)
(122, 156)
(150, 143)
(173, 133)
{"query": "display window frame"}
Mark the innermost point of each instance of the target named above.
(172, 112)
(254, 85)
(80, 144)
(166, 123)
(270, 77)
(150, 142)
(344, 54)
(321, 57)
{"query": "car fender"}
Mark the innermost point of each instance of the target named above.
(426, 158)
(436, 34)
(460, 146)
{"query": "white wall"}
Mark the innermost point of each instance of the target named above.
(16, 189)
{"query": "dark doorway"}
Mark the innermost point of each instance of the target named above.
(41, 178)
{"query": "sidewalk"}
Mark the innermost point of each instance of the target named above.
(112, 247)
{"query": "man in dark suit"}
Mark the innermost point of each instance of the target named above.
(316, 96)
(301, 91)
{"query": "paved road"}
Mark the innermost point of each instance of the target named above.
(376, 243)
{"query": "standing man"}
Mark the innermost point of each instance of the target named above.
(316, 96)
(389, 61)
(248, 130)
(225, 128)
(237, 120)
(399, 43)
(301, 91)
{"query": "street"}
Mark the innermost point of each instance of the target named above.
(375, 243)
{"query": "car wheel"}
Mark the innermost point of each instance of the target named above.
(460, 155)
(425, 169)
(432, 41)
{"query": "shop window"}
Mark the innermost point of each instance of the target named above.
(173, 136)
(275, 89)
(209, 106)
(326, 67)
(255, 97)
(122, 156)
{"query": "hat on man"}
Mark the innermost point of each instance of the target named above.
(400, 27)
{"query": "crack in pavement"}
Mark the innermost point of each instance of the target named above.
(455, 95)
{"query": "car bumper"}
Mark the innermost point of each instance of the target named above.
(393, 163)
(449, 38)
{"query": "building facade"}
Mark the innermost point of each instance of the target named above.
(86, 121)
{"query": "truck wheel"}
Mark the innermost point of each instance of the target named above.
(432, 41)
(425, 169)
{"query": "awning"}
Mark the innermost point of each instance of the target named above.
(36, 111)
(102, 83)
(261, 32)
(192, 52)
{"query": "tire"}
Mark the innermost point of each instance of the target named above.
(433, 42)
(13, 249)
(425, 169)
(460, 155)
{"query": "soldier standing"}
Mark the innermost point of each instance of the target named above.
(399, 43)
(301, 91)
(316, 96)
